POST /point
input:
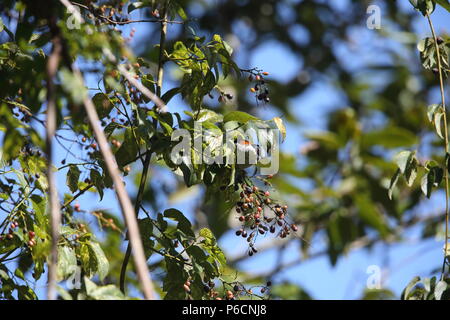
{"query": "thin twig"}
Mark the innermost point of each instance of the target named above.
(126, 21)
(446, 178)
(146, 163)
(142, 184)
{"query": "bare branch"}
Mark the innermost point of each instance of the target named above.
(122, 195)
(55, 216)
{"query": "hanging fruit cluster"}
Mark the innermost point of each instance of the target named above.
(260, 215)
(260, 88)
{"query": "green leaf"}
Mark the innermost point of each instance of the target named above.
(280, 125)
(427, 183)
(102, 104)
(431, 179)
(100, 258)
(170, 94)
(128, 150)
(411, 171)
(443, 3)
(406, 292)
(19, 273)
(108, 292)
(26, 293)
(97, 180)
(389, 137)
(426, 7)
(183, 225)
(73, 85)
(239, 116)
(402, 159)
(393, 183)
(441, 286)
(67, 262)
(180, 11)
(210, 245)
(209, 115)
(289, 291)
(73, 176)
(147, 231)
(435, 114)
(63, 293)
(40, 208)
(370, 214)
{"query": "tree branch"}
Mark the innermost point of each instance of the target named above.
(55, 216)
(122, 195)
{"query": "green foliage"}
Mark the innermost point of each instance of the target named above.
(343, 166)
(426, 7)
(426, 289)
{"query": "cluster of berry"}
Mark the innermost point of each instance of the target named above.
(260, 89)
(10, 234)
(260, 215)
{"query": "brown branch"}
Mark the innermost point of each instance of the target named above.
(55, 216)
(81, 192)
(122, 195)
(126, 21)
